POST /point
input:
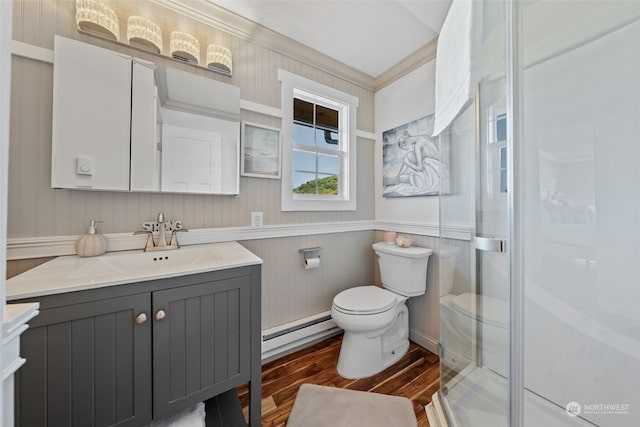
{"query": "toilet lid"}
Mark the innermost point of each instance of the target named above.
(494, 311)
(365, 300)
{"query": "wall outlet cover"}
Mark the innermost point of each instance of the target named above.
(257, 219)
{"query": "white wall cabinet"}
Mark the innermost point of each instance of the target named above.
(91, 117)
(110, 113)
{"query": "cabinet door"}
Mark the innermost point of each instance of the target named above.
(202, 345)
(91, 117)
(88, 364)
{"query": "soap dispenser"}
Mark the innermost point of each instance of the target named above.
(92, 243)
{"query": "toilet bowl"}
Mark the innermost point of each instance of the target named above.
(376, 320)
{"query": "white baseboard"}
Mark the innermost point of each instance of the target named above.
(283, 339)
(423, 340)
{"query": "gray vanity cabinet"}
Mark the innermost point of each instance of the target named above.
(124, 355)
(199, 349)
(87, 365)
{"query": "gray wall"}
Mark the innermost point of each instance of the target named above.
(37, 210)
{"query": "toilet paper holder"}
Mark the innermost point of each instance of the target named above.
(311, 252)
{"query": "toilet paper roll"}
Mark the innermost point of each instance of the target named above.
(310, 263)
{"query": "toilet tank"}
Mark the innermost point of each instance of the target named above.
(403, 270)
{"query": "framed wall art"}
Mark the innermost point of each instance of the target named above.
(260, 151)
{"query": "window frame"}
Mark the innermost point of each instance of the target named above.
(346, 105)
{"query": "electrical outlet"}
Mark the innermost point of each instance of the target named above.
(257, 219)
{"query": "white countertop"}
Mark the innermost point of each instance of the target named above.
(73, 273)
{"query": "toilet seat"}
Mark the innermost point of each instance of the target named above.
(364, 300)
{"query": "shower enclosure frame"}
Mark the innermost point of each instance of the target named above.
(515, 379)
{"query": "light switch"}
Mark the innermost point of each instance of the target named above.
(84, 166)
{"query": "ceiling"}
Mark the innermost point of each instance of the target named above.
(369, 35)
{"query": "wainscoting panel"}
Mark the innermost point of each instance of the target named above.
(289, 292)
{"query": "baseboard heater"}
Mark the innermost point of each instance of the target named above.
(283, 338)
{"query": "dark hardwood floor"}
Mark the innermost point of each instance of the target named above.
(415, 376)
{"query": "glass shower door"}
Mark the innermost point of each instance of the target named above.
(577, 86)
(581, 92)
(474, 302)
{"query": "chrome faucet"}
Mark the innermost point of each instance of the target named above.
(161, 226)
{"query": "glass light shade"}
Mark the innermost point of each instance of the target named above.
(219, 58)
(184, 47)
(94, 17)
(144, 33)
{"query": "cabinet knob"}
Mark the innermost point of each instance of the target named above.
(141, 318)
(160, 315)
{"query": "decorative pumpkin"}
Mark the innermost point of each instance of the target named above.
(92, 243)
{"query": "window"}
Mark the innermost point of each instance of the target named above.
(497, 152)
(318, 136)
(316, 149)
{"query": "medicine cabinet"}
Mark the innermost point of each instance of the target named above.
(124, 124)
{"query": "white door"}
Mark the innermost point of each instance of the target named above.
(191, 160)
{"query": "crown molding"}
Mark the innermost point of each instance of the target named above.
(418, 58)
(229, 22)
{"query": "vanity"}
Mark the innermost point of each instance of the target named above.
(130, 337)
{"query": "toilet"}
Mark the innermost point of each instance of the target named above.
(376, 320)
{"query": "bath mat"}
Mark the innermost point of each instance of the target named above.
(321, 406)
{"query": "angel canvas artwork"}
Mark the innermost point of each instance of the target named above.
(411, 161)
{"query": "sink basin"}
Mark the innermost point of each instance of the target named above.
(186, 258)
(73, 273)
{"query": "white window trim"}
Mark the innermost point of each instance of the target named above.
(290, 202)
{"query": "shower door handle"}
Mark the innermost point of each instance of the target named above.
(490, 244)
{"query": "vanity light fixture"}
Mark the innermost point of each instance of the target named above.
(184, 47)
(144, 33)
(219, 59)
(97, 18)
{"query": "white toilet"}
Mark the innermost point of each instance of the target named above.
(376, 320)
